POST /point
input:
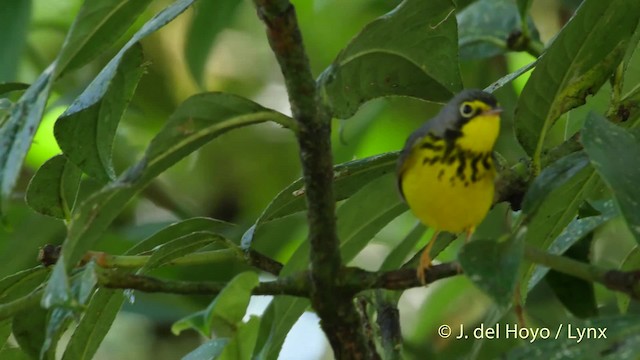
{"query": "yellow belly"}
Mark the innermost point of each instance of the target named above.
(447, 198)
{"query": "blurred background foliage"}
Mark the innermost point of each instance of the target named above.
(236, 176)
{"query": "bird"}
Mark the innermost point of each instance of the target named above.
(446, 170)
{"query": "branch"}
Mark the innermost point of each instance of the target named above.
(354, 280)
(627, 282)
(49, 255)
(339, 318)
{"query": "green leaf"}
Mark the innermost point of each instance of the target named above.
(53, 189)
(179, 247)
(579, 61)
(211, 17)
(557, 211)
(493, 266)
(21, 283)
(17, 133)
(553, 177)
(242, 344)
(7, 87)
(86, 130)
(82, 286)
(359, 218)
(614, 153)
(96, 28)
(225, 312)
(286, 312)
(13, 354)
(523, 7)
(484, 27)
(398, 255)
(207, 351)
(574, 232)
(197, 121)
(622, 341)
(349, 177)
(58, 291)
(105, 304)
(180, 229)
(5, 332)
(577, 295)
(411, 51)
(94, 325)
(59, 321)
(29, 330)
(14, 23)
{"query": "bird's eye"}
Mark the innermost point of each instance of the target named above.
(466, 110)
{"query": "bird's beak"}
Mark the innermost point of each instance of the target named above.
(494, 111)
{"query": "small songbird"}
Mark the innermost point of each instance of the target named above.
(446, 171)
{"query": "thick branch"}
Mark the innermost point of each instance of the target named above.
(339, 319)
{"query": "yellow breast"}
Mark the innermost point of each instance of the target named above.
(450, 187)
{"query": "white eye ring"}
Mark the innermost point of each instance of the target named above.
(466, 110)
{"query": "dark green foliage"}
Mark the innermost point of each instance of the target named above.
(137, 136)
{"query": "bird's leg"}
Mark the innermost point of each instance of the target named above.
(425, 259)
(469, 233)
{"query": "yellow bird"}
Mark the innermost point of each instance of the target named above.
(446, 171)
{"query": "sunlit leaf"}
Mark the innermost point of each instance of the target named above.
(86, 130)
(52, 190)
(411, 51)
(225, 312)
(614, 153)
(576, 64)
